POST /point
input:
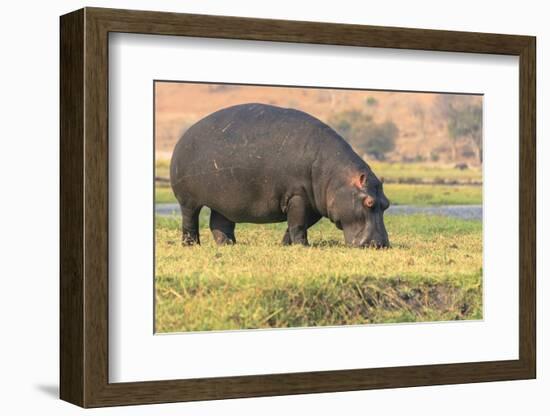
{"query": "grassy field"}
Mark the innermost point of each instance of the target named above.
(396, 171)
(398, 193)
(431, 273)
(162, 168)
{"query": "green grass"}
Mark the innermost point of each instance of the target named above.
(164, 195)
(422, 195)
(399, 194)
(162, 168)
(431, 273)
(397, 171)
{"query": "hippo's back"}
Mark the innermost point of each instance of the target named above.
(244, 161)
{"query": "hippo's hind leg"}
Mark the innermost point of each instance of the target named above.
(299, 218)
(222, 229)
(190, 225)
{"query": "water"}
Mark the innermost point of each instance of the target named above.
(464, 212)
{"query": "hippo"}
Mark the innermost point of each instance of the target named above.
(258, 163)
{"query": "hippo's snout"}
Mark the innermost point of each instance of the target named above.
(374, 234)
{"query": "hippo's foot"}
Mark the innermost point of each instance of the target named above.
(299, 218)
(222, 229)
(298, 239)
(223, 239)
(190, 239)
(286, 239)
(190, 225)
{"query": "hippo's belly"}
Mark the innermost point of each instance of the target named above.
(239, 195)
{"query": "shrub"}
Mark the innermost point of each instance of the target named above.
(371, 101)
(366, 136)
(464, 122)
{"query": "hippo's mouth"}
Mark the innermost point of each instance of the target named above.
(377, 240)
(377, 243)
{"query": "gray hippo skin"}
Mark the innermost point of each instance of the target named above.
(259, 163)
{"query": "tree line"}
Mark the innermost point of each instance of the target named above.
(462, 115)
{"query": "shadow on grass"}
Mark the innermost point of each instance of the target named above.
(327, 244)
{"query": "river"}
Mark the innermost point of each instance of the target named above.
(465, 212)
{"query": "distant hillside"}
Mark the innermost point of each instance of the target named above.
(423, 133)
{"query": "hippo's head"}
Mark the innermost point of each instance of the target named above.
(358, 209)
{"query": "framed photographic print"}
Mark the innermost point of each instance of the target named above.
(256, 207)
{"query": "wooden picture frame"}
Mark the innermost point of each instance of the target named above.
(84, 207)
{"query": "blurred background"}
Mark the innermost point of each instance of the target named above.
(426, 146)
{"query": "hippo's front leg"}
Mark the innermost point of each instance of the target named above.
(313, 218)
(297, 218)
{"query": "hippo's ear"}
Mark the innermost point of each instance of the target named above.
(362, 180)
